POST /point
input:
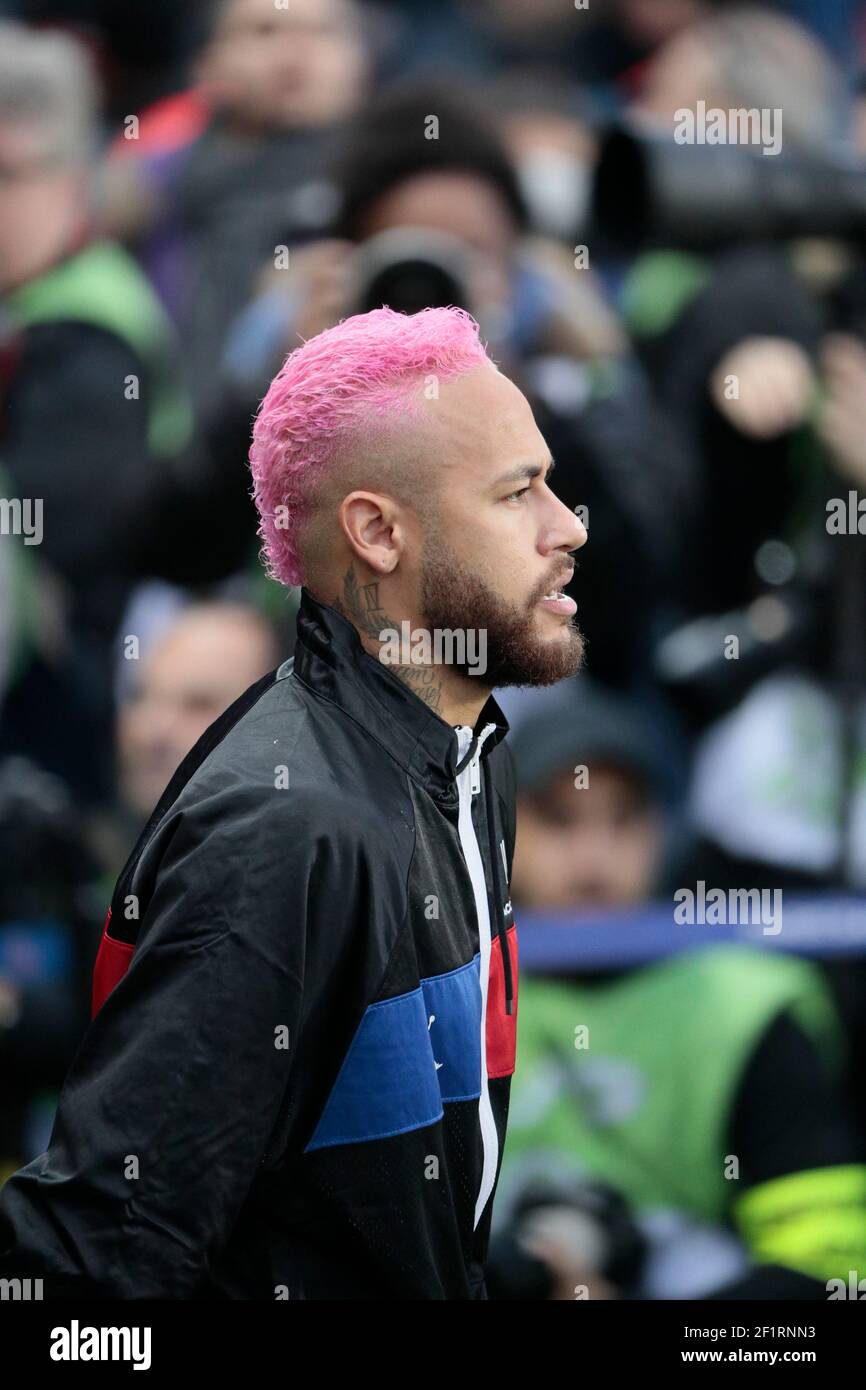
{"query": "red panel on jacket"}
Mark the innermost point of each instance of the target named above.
(112, 960)
(501, 1027)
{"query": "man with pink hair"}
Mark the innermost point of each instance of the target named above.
(412, 407)
(305, 999)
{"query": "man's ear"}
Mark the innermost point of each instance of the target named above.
(372, 530)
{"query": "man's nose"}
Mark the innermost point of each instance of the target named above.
(582, 533)
(568, 529)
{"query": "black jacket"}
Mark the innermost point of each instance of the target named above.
(296, 1080)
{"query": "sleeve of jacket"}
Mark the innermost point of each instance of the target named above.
(173, 1096)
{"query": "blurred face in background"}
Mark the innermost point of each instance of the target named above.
(468, 208)
(43, 202)
(596, 847)
(209, 657)
(754, 58)
(275, 68)
(554, 156)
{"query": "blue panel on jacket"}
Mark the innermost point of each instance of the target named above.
(409, 1055)
(454, 1030)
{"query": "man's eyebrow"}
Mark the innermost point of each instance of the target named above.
(526, 470)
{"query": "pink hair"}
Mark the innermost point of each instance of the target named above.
(364, 366)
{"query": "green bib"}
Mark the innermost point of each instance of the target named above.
(633, 1081)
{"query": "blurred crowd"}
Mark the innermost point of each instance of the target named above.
(189, 191)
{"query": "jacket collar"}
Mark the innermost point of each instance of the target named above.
(330, 659)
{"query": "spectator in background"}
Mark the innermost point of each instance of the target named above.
(208, 656)
(140, 50)
(548, 125)
(778, 795)
(604, 845)
(745, 55)
(617, 1171)
(277, 83)
(80, 326)
(93, 420)
(778, 792)
(744, 314)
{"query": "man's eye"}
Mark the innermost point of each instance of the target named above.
(519, 493)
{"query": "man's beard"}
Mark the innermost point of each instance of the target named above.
(454, 598)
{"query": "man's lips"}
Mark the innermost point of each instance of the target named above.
(555, 601)
(560, 604)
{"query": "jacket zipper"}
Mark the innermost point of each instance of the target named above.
(468, 784)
